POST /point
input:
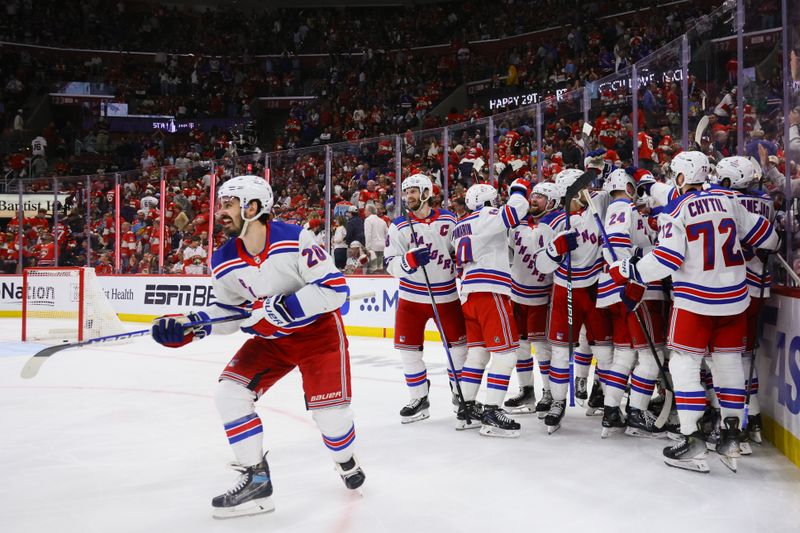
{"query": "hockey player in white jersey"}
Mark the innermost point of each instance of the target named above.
(739, 174)
(699, 246)
(404, 258)
(481, 242)
(289, 293)
(530, 294)
(629, 236)
(583, 242)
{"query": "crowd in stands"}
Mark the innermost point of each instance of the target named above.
(376, 95)
(370, 73)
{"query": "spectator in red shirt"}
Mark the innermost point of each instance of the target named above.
(104, 267)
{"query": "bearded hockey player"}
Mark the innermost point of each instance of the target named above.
(288, 292)
(404, 258)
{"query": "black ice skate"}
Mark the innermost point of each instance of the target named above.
(544, 405)
(709, 421)
(495, 423)
(673, 426)
(612, 422)
(642, 424)
(455, 398)
(689, 453)
(250, 495)
(709, 425)
(728, 445)
(594, 405)
(475, 413)
(351, 473)
(554, 416)
(523, 403)
(415, 411)
(754, 427)
(581, 390)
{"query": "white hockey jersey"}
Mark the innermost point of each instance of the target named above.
(629, 235)
(587, 258)
(758, 203)
(435, 232)
(291, 264)
(663, 193)
(699, 246)
(481, 245)
(528, 285)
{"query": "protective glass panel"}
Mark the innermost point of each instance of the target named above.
(562, 132)
(660, 102)
(469, 142)
(610, 115)
(712, 82)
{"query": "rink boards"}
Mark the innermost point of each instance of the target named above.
(370, 312)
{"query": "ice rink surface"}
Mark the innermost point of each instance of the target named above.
(126, 438)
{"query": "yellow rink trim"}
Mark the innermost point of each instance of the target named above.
(782, 439)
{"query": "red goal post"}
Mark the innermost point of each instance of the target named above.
(65, 303)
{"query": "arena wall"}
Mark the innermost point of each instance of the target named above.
(370, 312)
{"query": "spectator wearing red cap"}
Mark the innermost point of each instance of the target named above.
(315, 227)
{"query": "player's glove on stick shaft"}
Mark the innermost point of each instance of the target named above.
(171, 330)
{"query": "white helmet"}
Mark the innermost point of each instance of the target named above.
(247, 189)
(479, 194)
(619, 181)
(693, 165)
(422, 182)
(549, 190)
(739, 170)
(565, 178)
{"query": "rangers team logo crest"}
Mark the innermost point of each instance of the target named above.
(497, 339)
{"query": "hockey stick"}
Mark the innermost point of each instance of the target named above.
(669, 395)
(753, 355)
(361, 296)
(33, 365)
(572, 191)
(755, 343)
(779, 258)
(462, 404)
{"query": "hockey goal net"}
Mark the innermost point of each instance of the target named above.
(65, 304)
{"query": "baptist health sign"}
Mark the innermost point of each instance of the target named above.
(778, 362)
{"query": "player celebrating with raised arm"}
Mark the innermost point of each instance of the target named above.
(289, 293)
(481, 242)
(530, 293)
(404, 258)
(699, 246)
